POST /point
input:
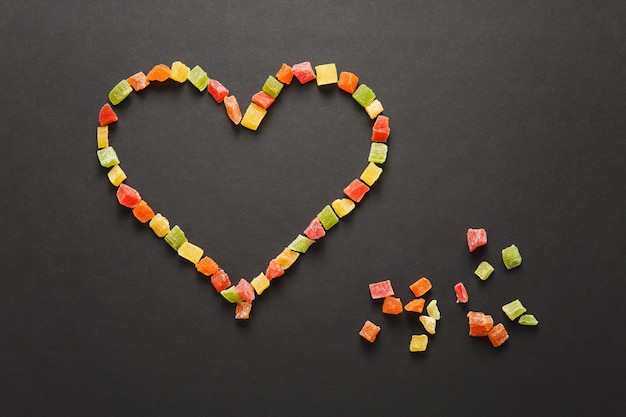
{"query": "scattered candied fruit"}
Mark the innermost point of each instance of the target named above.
(369, 331)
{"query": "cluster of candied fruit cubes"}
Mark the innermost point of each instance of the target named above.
(393, 305)
(245, 291)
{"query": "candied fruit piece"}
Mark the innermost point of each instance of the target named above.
(260, 283)
(479, 323)
(159, 72)
(303, 72)
(207, 266)
(433, 310)
(326, 74)
(103, 136)
(429, 323)
(138, 81)
(242, 310)
(369, 331)
(231, 294)
(220, 280)
(143, 212)
(511, 257)
(315, 230)
(301, 244)
(245, 290)
(392, 305)
(287, 257)
(272, 87)
(484, 270)
(419, 343)
(198, 78)
(461, 293)
(347, 81)
(107, 115)
(217, 90)
(108, 157)
(284, 74)
(263, 100)
(476, 238)
(116, 175)
(381, 289)
(232, 109)
(528, 320)
(253, 116)
(421, 286)
(327, 217)
(190, 252)
(514, 309)
(416, 305)
(127, 196)
(274, 270)
(175, 237)
(378, 153)
(356, 190)
(120, 92)
(381, 130)
(371, 174)
(498, 335)
(179, 72)
(159, 225)
(343, 206)
(374, 109)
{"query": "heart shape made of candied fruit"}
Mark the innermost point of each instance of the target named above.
(244, 292)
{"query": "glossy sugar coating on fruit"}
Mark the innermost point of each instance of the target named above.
(369, 331)
(138, 81)
(416, 305)
(284, 74)
(421, 286)
(220, 280)
(476, 238)
(514, 309)
(326, 74)
(190, 252)
(108, 157)
(160, 225)
(484, 270)
(263, 100)
(103, 136)
(343, 206)
(301, 244)
(461, 293)
(116, 175)
(253, 116)
(381, 289)
(217, 91)
(327, 217)
(159, 72)
(479, 323)
(381, 129)
(303, 72)
(287, 257)
(231, 294)
(198, 78)
(433, 310)
(232, 109)
(274, 270)
(347, 81)
(207, 266)
(356, 190)
(429, 323)
(245, 290)
(498, 335)
(371, 174)
(315, 230)
(179, 72)
(120, 92)
(142, 211)
(374, 109)
(127, 196)
(364, 95)
(378, 153)
(511, 257)
(419, 343)
(392, 305)
(272, 87)
(528, 320)
(260, 283)
(107, 115)
(175, 238)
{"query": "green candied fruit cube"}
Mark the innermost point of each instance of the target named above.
(175, 238)
(120, 92)
(484, 270)
(514, 309)
(231, 294)
(272, 86)
(511, 257)
(528, 320)
(378, 153)
(108, 157)
(364, 95)
(327, 217)
(198, 77)
(301, 244)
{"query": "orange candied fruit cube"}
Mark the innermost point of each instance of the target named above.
(369, 331)
(143, 212)
(421, 286)
(284, 74)
(479, 323)
(347, 81)
(207, 266)
(232, 109)
(392, 305)
(416, 305)
(138, 81)
(498, 335)
(160, 72)
(242, 310)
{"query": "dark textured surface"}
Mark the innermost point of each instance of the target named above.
(505, 115)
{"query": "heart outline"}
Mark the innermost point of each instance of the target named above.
(245, 292)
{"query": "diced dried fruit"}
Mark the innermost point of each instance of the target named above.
(479, 323)
(217, 90)
(356, 190)
(392, 305)
(245, 290)
(378, 153)
(138, 81)
(421, 286)
(374, 109)
(528, 320)
(364, 95)
(303, 72)
(179, 72)
(274, 270)
(498, 335)
(326, 74)
(301, 244)
(232, 109)
(315, 230)
(242, 310)
(107, 115)
(175, 238)
(484, 270)
(429, 323)
(347, 81)
(120, 92)
(476, 238)
(260, 283)
(159, 225)
(381, 130)
(511, 257)
(369, 331)
(263, 100)
(160, 72)
(284, 74)
(127, 196)
(418, 343)
(343, 206)
(381, 289)
(272, 86)
(108, 157)
(253, 116)
(190, 252)
(327, 217)
(514, 309)
(221, 281)
(142, 211)
(461, 293)
(231, 295)
(416, 305)
(198, 78)
(433, 310)
(371, 174)
(207, 266)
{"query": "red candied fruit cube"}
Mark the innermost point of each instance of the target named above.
(274, 270)
(284, 74)
(381, 289)
(315, 230)
(381, 130)
(476, 238)
(217, 90)
(220, 280)
(356, 190)
(107, 115)
(303, 72)
(128, 196)
(263, 100)
(245, 290)
(461, 293)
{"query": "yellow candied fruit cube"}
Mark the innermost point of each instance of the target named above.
(103, 136)
(116, 175)
(253, 116)
(260, 283)
(419, 342)
(287, 257)
(160, 225)
(190, 252)
(179, 72)
(371, 174)
(326, 74)
(343, 206)
(374, 109)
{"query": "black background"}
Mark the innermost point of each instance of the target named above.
(505, 115)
